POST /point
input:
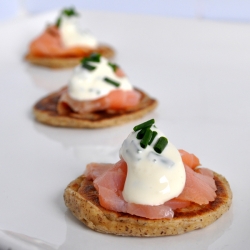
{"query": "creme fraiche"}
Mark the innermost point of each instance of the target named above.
(72, 35)
(152, 178)
(94, 78)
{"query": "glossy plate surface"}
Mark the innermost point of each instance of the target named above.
(199, 72)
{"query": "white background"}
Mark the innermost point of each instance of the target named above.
(229, 10)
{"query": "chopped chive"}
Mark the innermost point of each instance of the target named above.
(87, 66)
(94, 57)
(141, 133)
(58, 22)
(113, 66)
(69, 12)
(146, 124)
(108, 80)
(65, 12)
(160, 144)
(154, 134)
(146, 138)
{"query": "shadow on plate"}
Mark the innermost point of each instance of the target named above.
(99, 145)
(69, 137)
(48, 79)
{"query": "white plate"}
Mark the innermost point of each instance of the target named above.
(199, 72)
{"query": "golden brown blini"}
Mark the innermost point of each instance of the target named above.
(67, 62)
(45, 111)
(81, 198)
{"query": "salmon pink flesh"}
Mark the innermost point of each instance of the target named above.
(49, 44)
(115, 100)
(109, 181)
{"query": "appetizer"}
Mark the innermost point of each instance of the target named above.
(98, 95)
(153, 190)
(64, 44)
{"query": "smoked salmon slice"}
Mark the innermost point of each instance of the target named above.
(49, 44)
(189, 159)
(110, 186)
(93, 170)
(199, 188)
(115, 100)
(205, 171)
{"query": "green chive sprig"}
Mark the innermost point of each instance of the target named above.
(94, 57)
(141, 133)
(160, 144)
(66, 12)
(69, 12)
(154, 134)
(58, 22)
(146, 138)
(146, 124)
(87, 66)
(108, 80)
(113, 66)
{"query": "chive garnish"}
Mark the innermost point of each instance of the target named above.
(87, 66)
(58, 22)
(66, 12)
(144, 125)
(154, 134)
(70, 12)
(141, 133)
(160, 144)
(94, 57)
(113, 66)
(146, 138)
(108, 80)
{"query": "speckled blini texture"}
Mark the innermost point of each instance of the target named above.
(45, 111)
(82, 199)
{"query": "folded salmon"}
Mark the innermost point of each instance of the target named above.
(109, 181)
(115, 100)
(64, 43)
(49, 44)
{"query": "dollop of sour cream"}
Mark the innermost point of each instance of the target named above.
(72, 35)
(87, 85)
(152, 178)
